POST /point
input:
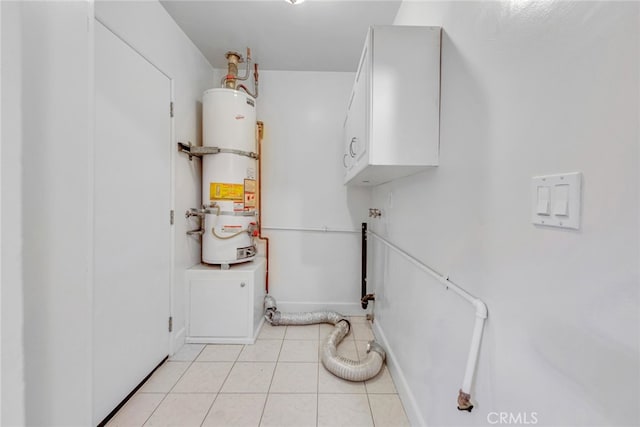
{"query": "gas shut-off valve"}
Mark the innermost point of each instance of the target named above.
(252, 229)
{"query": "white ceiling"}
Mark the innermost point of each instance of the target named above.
(317, 35)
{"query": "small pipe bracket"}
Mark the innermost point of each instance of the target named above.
(185, 148)
(194, 212)
(197, 151)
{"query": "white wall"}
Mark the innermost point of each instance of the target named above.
(527, 89)
(303, 114)
(56, 224)
(163, 43)
(12, 368)
(47, 159)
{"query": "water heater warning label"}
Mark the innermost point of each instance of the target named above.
(231, 228)
(224, 191)
(249, 194)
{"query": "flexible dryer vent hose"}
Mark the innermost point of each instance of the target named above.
(339, 366)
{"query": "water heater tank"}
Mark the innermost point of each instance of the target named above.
(229, 177)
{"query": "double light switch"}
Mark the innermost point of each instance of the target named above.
(556, 200)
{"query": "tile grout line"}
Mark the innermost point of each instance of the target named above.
(318, 377)
(221, 385)
(184, 372)
(167, 393)
(318, 393)
(266, 399)
(269, 392)
(373, 421)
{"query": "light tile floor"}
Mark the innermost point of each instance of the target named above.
(278, 381)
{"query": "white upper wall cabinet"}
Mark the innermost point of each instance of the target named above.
(392, 126)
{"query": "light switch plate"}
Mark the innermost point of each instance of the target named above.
(560, 200)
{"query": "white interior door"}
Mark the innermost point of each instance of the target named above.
(131, 213)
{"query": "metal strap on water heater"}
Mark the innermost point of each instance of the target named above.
(229, 213)
(250, 154)
(194, 150)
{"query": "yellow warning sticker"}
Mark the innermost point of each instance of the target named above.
(225, 191)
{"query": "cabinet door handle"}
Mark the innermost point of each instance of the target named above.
(242, 284)
(344, 160)
(352, 151)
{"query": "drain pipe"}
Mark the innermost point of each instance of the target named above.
(260, 136)
(339, 366)
(464, 394)
(364, 296)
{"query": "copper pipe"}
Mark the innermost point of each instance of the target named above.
(247, 73)
(231, 79)
(260, 236)
(233, 59)
(255, 83)
(243, 87)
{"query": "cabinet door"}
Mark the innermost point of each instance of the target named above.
(218, 308)
(359, 114)
(347, 159)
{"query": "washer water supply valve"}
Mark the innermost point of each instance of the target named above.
(375, 213)
(365, 300)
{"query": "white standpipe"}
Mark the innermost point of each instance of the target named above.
(464, 394)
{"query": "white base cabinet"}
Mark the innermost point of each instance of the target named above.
(392, 128)
(225, 306)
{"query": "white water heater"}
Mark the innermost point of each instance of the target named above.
(229, 177)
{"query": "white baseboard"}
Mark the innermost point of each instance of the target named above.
(177, 341)
(228, 340)
(258, 329)
(220, 340)
(348, 309)
(406, 396)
